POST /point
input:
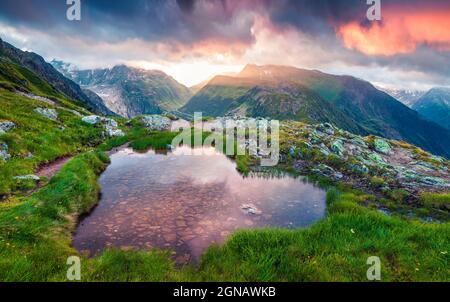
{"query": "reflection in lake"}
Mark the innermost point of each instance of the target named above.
(186, 203)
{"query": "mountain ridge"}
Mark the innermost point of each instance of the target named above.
(435, 106)
(366, 109)
(130, 91)
(48, 73)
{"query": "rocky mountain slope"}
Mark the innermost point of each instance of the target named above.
(31, 63)
(435, 106)
(130, 91)
(290, 93)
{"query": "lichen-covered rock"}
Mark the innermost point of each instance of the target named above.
(6, 126)
(324, 149)
(326, 128)
(359, 142)
(156, 122)
(338, 147)
(376, 158)
(51, 114)
(382, 146)
(360, 168)
(434, 181)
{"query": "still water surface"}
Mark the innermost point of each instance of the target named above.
(186, 203)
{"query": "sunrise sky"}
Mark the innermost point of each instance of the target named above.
(194, 40)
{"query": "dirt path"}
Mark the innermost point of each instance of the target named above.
(52, 168)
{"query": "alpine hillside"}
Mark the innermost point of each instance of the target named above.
(435, 106)
(290, 93)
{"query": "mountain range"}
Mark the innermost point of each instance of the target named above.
(285, 92)
(130, 91)
(281, 92)
(22, 69)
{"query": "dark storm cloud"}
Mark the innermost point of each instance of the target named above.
(186, 5)
(190, 20)
(183, 23)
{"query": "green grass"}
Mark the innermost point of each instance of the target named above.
(35, 233)
(435, 200)
(155, 140)
(41, 137)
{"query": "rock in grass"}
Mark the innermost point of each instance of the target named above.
(27, 177)
(156, 122)
(114, 132)
(6, 126)
(51, 114)
(382, 146)
(4, 155)
(111, 126)
(92, 119)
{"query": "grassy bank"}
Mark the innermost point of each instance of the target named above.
(37, 140)
(35, 233)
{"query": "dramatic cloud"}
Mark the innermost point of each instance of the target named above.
(410, 46)
(401, 32)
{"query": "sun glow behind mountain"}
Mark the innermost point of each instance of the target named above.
(189, 73)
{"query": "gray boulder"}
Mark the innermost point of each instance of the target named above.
(156, 122)
(51, 114)
(6, 126)
(92, 119)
